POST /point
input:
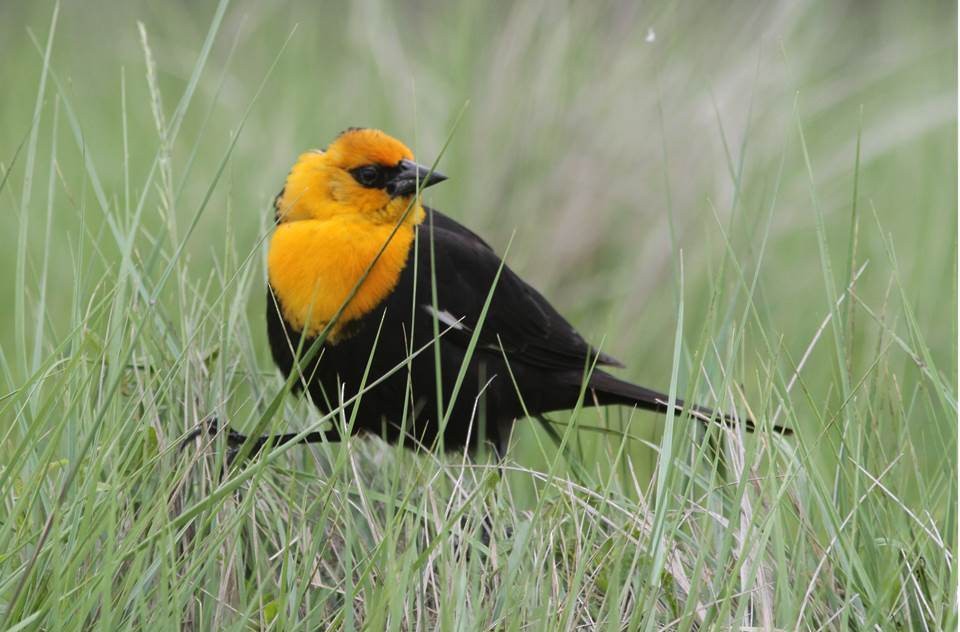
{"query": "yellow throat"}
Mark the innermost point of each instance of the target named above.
(313, 265)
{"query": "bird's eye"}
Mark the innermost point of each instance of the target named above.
(370, 176)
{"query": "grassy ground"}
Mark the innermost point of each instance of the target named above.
(753, 205)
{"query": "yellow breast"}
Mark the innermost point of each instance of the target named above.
(313, 265)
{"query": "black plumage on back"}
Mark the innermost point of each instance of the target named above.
(522, 339)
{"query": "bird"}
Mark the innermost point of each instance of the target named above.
(414, 318)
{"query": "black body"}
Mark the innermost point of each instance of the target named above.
(546, 355)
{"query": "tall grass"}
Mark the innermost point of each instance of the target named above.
(752, 207)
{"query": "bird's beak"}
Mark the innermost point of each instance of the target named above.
(409, 175)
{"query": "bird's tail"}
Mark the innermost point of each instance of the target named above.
(611, 390)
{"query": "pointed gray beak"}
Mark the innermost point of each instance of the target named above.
(409, 176)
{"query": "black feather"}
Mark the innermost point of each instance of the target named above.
(522, 336)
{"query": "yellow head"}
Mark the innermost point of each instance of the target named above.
(364, 172)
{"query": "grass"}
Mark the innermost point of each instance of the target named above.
(770, 192)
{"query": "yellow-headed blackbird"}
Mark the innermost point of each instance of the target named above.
(357, 202)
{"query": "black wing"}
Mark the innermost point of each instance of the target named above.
(519, 320)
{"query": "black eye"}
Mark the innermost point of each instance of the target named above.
(370, 176)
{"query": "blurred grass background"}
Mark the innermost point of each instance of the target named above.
(605, 138)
